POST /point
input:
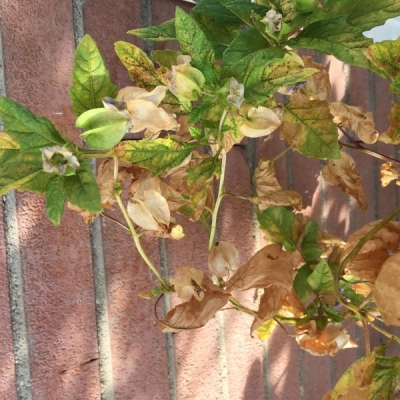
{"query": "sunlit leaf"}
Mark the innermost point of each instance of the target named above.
(389, 172)
(90, 78)
(350, 117)
(7, 142)
(342, 173)
(309, 129)
(162, 32)
(269, 266)
(280, 226)
(321, 279)
(266, 329)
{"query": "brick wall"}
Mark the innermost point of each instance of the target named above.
(71, 324)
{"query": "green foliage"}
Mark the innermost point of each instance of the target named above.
(280, 226)
(321, 279)
(310, 249)
(55, 200)
(90, 78)
(163, 32)
(158, 156)
(300, 284)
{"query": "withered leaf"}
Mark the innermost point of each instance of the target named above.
(368, 262)
(389, 172)
(342, 173)
(187, 282)
(223, 259)
(270, 266)
(387, 289)
(350, 117)
(269, 191)
(270, 303)
(194, 313)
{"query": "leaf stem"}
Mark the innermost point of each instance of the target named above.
(282, 153)
(83, 153)
(217, 203)
(135, 235)
(241, 307)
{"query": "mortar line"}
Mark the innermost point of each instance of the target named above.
(169, 338)
(251, 155)
(15, 277)
(98, 264)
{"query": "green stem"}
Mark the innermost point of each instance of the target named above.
(385, 333)
(282, 153)
(217, 203)
(134, 234)
(241, 307)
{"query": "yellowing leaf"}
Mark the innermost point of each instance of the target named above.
(354, 383)
(387, 289)
(7, 142)
(342, 173)
(223, 259)
(368, 262)
(269, 191)
(270, 266)
(309, 129)
(266, 329)
(194, 313)
(389, 172)
(350, 117)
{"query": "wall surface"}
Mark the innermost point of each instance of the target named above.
(71, 324)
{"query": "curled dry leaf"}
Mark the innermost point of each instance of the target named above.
(270, 303)
(194, 313)
(87, 216)
(389, 172)
(269, 191)
(270, 266)
(368, 262)
(387, 289)
(320, 343)
(188, 282)
(350, 117)
(342, 173)
(223, 259)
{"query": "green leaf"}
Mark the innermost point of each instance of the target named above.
(81, 189)
(7, 143)
(386, 374)
(280, 226)
(22, 171)
(349, 293)
(220, 36)
(160, 33)
(90, 78)
(140, 68)
(166, 58)
(31, 132)
(266, 329)
(244, 10)
(194, 42)
(217, 11)
(204, 171)
(334, 315)
(300, 285)
(321, 279)
(310, 249)
(158, 156)
(248, 51)
(262, 82)
(309, 129)
(104, 128)
(55, 200)
(335, 36)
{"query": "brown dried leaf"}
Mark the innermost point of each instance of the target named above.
(260, 121)
(223, 259)
(270, 303)
(270, 266)
(188, 282)
(387, 289)
(87, 216)
(350, 117)
(389, 172)
(269, 191)
(368, 262)
(342, 173)
(320, 343)
(194, 313)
